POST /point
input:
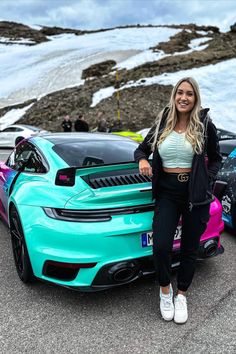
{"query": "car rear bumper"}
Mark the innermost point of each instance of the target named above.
(133, 270)
(83, 255)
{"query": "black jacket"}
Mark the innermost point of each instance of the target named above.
(81, 126)
(66, 125)
(202, 175)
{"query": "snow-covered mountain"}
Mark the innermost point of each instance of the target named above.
(69, 73)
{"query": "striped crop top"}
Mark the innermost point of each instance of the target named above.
(176, 151)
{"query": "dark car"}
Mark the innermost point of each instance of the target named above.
(226, 147)
(225, 134)
(228, 174)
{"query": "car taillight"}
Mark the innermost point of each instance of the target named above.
(65, 177)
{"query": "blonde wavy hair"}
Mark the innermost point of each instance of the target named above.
(195, 128)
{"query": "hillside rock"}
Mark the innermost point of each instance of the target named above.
(99, 69)
(178, 43)
(49, 111)
(136, 110)
(16, 106)
(221, 47)
(53, 31)
(233, 28)
(138, 105)
(16, 31)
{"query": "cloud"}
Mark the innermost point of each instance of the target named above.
(202, 12)
(92, 14)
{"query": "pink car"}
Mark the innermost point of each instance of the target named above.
(210, 240)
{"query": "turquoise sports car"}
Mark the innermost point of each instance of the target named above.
(80, 214)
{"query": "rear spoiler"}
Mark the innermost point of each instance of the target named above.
(66, 176)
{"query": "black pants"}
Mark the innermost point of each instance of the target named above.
(172, 203)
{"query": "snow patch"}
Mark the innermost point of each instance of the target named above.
(13, 116)
(29, 72)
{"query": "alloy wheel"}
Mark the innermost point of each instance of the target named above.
(20, 252)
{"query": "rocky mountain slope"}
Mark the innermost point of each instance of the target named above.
(138, 105)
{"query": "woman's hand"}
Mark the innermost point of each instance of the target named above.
(145, 168)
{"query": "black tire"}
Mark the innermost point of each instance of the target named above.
(18, 139)
(20, 252)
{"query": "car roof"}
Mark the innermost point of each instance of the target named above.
(64, 138)
(32, 127)
(228, 142)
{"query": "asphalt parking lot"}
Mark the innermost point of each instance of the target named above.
(42, 318)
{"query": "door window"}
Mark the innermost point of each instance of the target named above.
(26, 154)
(9, 130)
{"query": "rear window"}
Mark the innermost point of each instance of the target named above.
(87, 153)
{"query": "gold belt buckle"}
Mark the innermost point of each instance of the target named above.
(183, 177)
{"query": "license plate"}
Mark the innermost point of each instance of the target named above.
(147, 239)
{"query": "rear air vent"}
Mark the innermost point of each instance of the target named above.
(117, 180)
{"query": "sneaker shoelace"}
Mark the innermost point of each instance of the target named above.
(167, 301)
(181, 303)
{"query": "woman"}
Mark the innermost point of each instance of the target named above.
(180, 140)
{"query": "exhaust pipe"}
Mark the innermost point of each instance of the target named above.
(209, 249)
(123, 272)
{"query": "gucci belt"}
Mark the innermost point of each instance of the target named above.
(183, 177)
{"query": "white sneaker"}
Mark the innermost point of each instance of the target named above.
(166, 305)
(181, 310)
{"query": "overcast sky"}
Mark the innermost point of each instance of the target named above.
(93, 14)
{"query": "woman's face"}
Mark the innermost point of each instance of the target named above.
(185, 98)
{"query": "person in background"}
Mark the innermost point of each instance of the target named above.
(182, 182)
(66, 124)
(81, 125)
(101, 122)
